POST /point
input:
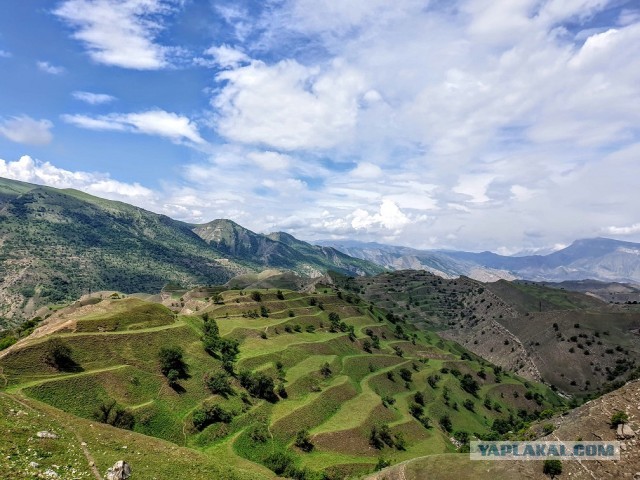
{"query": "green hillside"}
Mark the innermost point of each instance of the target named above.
(56, 245)
(320, 382)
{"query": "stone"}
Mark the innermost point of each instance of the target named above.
(34, 464)
(45, 434)
(120, 471)
(50, 474)
(624, 432)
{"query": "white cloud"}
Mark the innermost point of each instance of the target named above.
(288, 105)
(226, 56)
(629, 230)
(153, 122)
(26, 169)
(121, 33)
(270, 160)
(5, 54)
(367, 170)
(93, 98)
(24, 129)
(474, 186)
(46, 67)
(389, 217)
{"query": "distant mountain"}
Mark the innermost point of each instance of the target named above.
(56, 245)
(597, 258)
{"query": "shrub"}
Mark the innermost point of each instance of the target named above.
(172, 358)
(219, 383)
(210, 414)
(405, 374)
(416, 410)
(303, 441)
(58, 355)
(552, 468)
(619, 417)
(325, 371)
(382, 463)
(259, 433)
(469, 385)
(469, 405)
(256, 296)
(258, 384)
(280, 295)
(110, 413)
(279, 462)
(445, 423)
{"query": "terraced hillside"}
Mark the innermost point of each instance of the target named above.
(590, 422)
(525, 327)
(319, 382)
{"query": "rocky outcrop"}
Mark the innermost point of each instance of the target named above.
(120, 471)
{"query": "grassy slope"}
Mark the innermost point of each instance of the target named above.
(339, 411)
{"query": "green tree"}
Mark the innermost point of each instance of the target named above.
(172, 358)
(219, 383)
(58, 355)
(619, 417)
(445, 423)
(303, 441)
(552, 468)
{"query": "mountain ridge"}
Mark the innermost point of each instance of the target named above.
(597, 258)
(56, 245)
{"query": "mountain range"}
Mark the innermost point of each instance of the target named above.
(56, 245)
(595, 258)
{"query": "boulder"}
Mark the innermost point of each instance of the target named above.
(45, 434)
(120, 471)
(628, 432)
(624, 432)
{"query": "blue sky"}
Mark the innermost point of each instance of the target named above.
(476, 124)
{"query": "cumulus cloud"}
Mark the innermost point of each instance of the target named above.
(121, 33)
(389, 216)
(225, 56)
(464, 124)
(46, 67)
(287, 105)
(175, 127)
(26, 169)
(93, 98)
(24, 129)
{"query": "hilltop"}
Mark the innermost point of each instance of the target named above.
(337, 385)
(56, 245)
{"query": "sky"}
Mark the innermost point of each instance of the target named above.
(503, 125)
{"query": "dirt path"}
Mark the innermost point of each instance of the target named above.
(90, 460)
